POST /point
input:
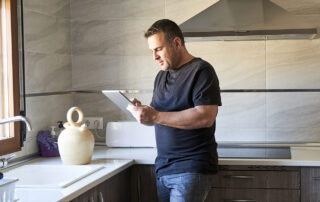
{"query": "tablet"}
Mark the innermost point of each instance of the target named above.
(119, 99)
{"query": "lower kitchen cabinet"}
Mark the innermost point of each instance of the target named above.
(143, 184)
(256, 184)
(253, 195)
(115, 189)
(310, 184)
(231, 184)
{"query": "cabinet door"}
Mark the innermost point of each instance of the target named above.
(310, 184)
(143, 184)
(257, 179)
(253, 195)
(115, 189)
(89, 196)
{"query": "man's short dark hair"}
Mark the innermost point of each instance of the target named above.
(168, 27)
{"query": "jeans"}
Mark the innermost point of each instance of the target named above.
(184, 187)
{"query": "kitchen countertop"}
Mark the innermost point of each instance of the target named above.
(110, 168)
(300, 156)
(125, 157)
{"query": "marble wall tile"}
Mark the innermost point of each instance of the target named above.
(58, 8)
(95, 72)
(113, 72)
(47, 72)
(138, 72)
(98, 105)
(94, 104)
(46, 34)
(110, 37)
(242, 110)
(293, 110)
(115, 9)
(238, 64)
(234, 135)
(293, 64)
(43, 112)
(47, 65)
(293, 134)
(110, 52)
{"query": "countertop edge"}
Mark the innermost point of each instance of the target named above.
(97, 181)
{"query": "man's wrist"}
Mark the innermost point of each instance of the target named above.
(156, 117)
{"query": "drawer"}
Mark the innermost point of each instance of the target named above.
(310, 184)
(253, 195)
(257, 179)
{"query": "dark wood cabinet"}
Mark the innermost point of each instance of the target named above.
(115, 189)
(252, 195)
(310, 184)
(258, 179)
(256, 184)
(231, 184)
(143, 184)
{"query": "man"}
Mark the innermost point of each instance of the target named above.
(184, 106)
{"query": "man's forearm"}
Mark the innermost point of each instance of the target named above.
(193, 118)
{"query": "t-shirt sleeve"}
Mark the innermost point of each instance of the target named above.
(206, 89)
(156, 81)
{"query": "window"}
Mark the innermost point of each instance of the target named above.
(9, 77)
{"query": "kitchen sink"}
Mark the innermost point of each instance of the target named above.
(51, 176)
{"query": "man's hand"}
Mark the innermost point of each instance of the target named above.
(143, 113)
(136, 102)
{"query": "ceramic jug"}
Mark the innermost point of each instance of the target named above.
(75, 142)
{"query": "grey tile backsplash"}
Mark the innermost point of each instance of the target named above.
(109, 52)
(47, 65)
(95, 45)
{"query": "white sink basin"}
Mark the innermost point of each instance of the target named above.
(51, 176)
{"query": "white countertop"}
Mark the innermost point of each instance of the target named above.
(110, 168)
(300, 156)
(125, 157)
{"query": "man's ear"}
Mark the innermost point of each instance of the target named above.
(177, 42)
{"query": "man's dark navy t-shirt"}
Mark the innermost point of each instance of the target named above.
(193, 84)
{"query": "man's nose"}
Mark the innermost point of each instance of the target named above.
(155, 56)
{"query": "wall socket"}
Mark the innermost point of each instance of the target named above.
(93, 122)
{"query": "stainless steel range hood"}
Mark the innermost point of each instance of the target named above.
(248, 20)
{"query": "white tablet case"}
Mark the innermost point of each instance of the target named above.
(118, 99)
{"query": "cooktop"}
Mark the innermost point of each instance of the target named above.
(254, 152)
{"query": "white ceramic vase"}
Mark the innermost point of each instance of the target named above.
(75, 142)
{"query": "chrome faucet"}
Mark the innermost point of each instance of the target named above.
(17, 118)
(4, 161)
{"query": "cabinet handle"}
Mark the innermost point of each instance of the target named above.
(101, 197)
(239, 200)
(248, 177)
(316, 178)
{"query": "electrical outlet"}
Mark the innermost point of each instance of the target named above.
(93, 122)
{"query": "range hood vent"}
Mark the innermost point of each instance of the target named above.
(247, 20)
